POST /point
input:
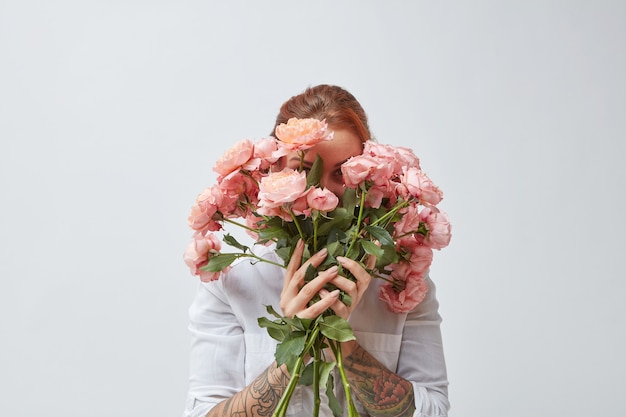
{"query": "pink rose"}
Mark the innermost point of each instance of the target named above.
(281, 187)
(301, 134)
(385, 154)
(407, 157)
(358, 169)
(279, 211)
(301, 205)
(374, 197)
(365, 168)
(406, 291)
(234, 158)
(237, 189)
(410, 221)
(416, 257)
(198, 252)
(379, 150)
(252, 223)
(396, 157)
(264, 150)
(204, 210)
(399, 272)
(417, 184)
(383, 174)
(322, 199)
(421, 258)
(438, 226)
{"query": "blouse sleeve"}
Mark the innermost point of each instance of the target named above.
(216, 338)
(421, 359)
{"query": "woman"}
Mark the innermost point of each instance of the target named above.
(395, 366)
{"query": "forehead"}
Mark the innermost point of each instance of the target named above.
(344, 145)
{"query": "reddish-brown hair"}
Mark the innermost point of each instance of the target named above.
(338, 107)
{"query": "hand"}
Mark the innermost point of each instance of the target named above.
(354, 289)
(296, 294)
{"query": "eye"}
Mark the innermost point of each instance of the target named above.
(338, 173)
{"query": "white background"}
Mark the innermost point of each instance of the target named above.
(112, 114)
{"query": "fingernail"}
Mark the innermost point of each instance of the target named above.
(341, 259)
(323, 251)
(334, 293)
(333, 269)
(300, 243)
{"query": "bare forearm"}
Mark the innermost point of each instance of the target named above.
(260, 398)
(382, 392)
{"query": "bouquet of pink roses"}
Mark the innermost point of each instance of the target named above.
(388, 211)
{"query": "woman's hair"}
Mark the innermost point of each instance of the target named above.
(338, 107)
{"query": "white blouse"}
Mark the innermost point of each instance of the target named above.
(229, 349)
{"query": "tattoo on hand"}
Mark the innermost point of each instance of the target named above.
(260, 398)
(381, 392)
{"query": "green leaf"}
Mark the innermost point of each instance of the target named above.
(334, 249)
(349, 199)
(345, 298)
(306, 323)
(284, 254)
(285, 247)
(277, 334)
(307, 375)
(333, 403)
(390, 256)
(340, 219)
(218, 262)
(291, 364)
(298, 323)
(315, 174)
(334, 235)
(310, 273)
(336, 328)
(325, 370)
(356, 251)
(273, 312)
(230, 240)
(273, 233)
(276, 324)
(422, 229)
(277, 329)
(380, 234)
(371, 248)
(290, 348)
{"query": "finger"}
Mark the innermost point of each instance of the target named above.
(296, 260)
(308, 291)
(346, 285)
(352, 291)
(315, 260)
(293, 266)
(327, 301)
(296, 295)
(296, 280)
(338, 306)
(357, 270)
(362, 276)
(296, 300)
